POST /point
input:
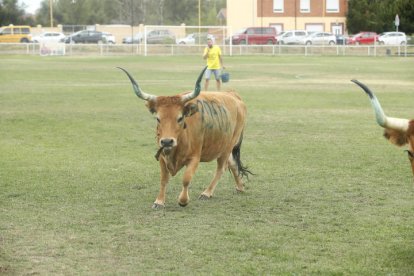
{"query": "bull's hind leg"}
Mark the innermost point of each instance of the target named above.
(236, 174)
(221, 167)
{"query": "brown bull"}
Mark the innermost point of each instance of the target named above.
(196, 127)
(398, 131)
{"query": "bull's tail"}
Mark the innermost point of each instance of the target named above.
(243, 170)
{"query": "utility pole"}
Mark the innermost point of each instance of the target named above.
(199, 15)
(132, 26)
(51, 12)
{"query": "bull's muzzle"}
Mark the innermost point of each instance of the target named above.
(168, 142)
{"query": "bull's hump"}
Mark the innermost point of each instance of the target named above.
(214, 115)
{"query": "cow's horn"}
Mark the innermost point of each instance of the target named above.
(197, 89)
(140, 94)
(382, 119)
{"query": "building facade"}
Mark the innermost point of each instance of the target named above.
(284, 15)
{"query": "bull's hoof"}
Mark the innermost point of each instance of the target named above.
(183, 204)
(204, 197)
(157, 206)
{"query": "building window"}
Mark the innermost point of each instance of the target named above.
(278, 6)
(332, 5)
(304, 6)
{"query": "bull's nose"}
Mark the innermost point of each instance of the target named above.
(167, 142)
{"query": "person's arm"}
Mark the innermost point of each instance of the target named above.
(221, 62)
(206, 50)
(221, 59)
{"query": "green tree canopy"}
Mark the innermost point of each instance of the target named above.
(148, 12)
(12, 13)
(379, 15)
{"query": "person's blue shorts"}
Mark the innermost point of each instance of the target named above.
(216, 73)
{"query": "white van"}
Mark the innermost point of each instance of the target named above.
(291, 37)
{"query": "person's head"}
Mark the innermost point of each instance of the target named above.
(209, 42)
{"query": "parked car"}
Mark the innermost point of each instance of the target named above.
(292, 37)
(137, 39)
(85, 37)
(108, 38)
(48, 37)
(15, 34)
(195, 38)
(160, 37)
(392, 38)
(279, 35)
(319, 38)
(255, 35)
(341, 39)
(363, 38)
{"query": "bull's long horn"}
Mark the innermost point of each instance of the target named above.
(140, 94)
(197, 89)
(382, 119)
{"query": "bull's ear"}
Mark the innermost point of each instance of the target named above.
(151, 107)
(190, 109)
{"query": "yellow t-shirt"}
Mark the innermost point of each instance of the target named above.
(213, 58)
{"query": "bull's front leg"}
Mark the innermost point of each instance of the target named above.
(165, 177)
(184, 198)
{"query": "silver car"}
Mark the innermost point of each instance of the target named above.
(291, 37)
(160, 37)
(319, 38)
(196, 38)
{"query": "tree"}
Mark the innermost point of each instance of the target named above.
(362, 16)
(178, 12)
(131, 12)
(12, 13)
(378, 15)
(405, 10)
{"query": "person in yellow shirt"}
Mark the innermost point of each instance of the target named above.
(212, 53)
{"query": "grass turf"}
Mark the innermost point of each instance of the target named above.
(78, 176)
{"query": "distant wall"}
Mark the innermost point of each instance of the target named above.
(40, 29)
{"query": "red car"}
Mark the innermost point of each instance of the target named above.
(255, 35)
(363, 38)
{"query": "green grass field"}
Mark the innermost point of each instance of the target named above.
(78, 175)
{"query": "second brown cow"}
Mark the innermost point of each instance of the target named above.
(397, 130)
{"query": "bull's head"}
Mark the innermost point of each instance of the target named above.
(170, 111)
(398, 131)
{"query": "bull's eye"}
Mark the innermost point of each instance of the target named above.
(158, 120)
(180, 119)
